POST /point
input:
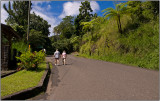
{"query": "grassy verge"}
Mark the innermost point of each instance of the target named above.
(21, 80)
(50, 65)
(125, 59)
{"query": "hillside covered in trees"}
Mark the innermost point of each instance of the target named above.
(128, 34)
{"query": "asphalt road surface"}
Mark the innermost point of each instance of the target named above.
(88, 79)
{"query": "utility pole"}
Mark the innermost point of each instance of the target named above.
(28, 20)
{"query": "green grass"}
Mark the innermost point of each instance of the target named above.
(127, 59)
(21, 80)
(50, 65)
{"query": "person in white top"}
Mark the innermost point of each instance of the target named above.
(64, 56)
(44, 50)
(56, 56)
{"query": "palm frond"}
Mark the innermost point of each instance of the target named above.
(107, 9)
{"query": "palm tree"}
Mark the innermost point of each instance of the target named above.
(116, 13)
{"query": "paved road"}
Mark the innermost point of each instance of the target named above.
(87, 79)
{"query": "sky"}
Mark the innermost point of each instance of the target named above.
(54, 11)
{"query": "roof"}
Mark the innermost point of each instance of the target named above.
(8, 30)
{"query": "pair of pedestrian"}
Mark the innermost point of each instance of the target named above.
(57, 56)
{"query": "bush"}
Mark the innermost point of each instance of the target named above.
(30, 61)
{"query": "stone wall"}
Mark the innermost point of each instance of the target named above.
(4, 57)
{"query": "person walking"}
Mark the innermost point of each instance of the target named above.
(56, 56)
(64, 56)
(44, 50)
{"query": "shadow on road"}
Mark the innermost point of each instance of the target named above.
(54, 76)
(65, 64)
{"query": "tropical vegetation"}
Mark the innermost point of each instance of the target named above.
(127, 34)
(30, 61)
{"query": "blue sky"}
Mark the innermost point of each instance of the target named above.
(54, 11)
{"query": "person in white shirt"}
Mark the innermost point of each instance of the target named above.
(64, 56)
(56, 56)
(44, 50)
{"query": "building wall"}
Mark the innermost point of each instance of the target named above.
(4, 57)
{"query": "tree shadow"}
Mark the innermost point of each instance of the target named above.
(39, 69)
(68, 64)
(65, 64)
(55, 76)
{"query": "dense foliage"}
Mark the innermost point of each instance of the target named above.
(20, 46)
(30, 61)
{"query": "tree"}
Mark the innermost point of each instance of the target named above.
(36, 39)
(135, 9)
(85, 11)
(116, 13)
(66, 28)
(150, 9)
(18, 19)
(39, 24)
(95, 15)
(57, 31)
(143, 11)
(84, 16)
(18, 14)
(89, 26)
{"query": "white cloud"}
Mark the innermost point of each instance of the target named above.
(39, 2)
(72, 8)
(37, 8)
(4, 14)
(95, 6)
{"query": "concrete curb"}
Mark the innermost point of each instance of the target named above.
(28, 93)
(2, 76)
